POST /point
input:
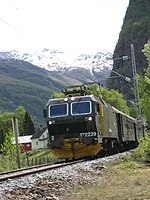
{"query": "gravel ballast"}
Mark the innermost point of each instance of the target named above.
(54, 183)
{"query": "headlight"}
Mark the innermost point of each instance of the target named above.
(88, 119)
(51, 122)
(72, 98)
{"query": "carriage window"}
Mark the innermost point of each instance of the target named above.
(81, 108)
(58, 110)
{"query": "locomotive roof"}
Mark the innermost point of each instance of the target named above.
(62, 100)
(88, 98)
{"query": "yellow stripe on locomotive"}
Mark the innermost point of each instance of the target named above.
(73, 148)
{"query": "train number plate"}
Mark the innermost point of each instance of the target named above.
(88, 134)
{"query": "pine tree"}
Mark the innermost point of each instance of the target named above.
(28, 125)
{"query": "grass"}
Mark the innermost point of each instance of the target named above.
(35, 157)
(127, 180)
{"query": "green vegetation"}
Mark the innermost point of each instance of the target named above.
(113, 97)
(8, 155)
(20, 114)
(23, 84)
(116, 184)
(27, 159)
(144, 145)
(128, 178)
(25, 124)
(145, 86)
(136, 24)
(137, 19)
(7, 148)
(28, 126)
(135, 30)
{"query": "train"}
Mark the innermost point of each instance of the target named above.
(82, 124)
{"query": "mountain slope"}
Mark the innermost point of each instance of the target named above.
(22, 83)
(84, 67)
(135, 30)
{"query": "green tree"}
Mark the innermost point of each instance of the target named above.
(5, 125)
(115, 99)
(19, 114)
(145, 86)
(5, 121)
(8, 148)
(147, 52)
(58, 95)
(133, 109)
(28, 125)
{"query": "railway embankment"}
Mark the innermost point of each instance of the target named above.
(77, 181)
(125, 180)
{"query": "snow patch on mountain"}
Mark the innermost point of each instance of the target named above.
(98, 64)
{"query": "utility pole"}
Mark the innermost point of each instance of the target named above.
(135, 81)
(16, 133)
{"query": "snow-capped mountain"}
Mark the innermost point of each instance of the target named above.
(83, 67)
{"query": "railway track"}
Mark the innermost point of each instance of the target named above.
(28, 171)
(41, 168)
(54, 180)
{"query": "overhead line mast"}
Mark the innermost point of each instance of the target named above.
(135, 81)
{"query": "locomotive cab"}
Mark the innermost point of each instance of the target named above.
(73, 126)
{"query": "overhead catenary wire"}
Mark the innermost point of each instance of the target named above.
(12, 27)
(24, 35)
(9, 24)
(16, 7)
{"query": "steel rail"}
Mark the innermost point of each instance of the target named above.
(28, 171)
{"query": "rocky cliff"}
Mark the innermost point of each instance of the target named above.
(135, 30)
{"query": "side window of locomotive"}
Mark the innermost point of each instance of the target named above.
(58, 110)
(81, 108)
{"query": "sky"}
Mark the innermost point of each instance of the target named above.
(78, 26)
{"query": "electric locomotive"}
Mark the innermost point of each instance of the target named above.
(82, 125)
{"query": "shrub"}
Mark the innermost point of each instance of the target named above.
(144, 145)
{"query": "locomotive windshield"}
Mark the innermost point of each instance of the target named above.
(81, 108)
(58, 110)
